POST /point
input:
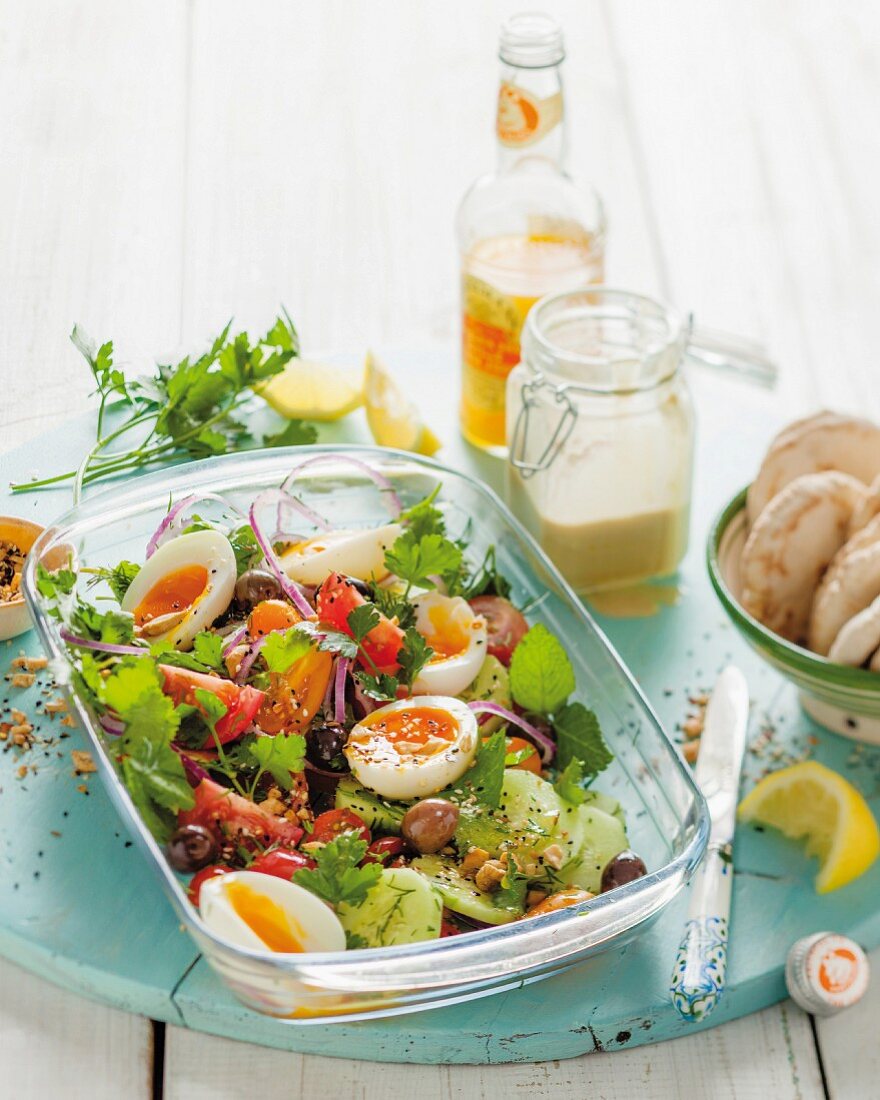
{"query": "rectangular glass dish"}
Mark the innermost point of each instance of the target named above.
(666, 816)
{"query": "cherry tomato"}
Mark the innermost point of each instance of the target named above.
(447, 928)
(337, 597)
(242, 703)
(228, 814)
(271, 615)
(506, 626)
(384, 849)
(531, 763)
(194, 889)
(333, 823)
(281, 862)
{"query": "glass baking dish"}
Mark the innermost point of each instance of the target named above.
(666, 816)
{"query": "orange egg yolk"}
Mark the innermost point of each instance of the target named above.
(448, 636)
(173, 592)
(415, 726)
(264, 917)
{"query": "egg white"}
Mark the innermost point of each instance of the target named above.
(359, 554)
(449, 618)
(207, 548)
(377, 765)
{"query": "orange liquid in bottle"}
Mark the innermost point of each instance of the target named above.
(502, 278)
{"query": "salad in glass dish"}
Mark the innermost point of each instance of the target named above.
(346, 737)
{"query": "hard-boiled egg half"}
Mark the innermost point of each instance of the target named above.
(458, 638)
(414, 747)
(266, 913)
(182, 588)
(359, 554)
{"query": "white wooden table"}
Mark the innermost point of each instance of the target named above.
(167, 163)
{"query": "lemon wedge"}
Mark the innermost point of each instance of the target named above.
(811, 801)
(313, 391)
(394, 420)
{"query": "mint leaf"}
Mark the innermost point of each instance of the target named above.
(338, 877)
(208, 648)
(568, 783)
(279, 755)
(579, 737)
(541, 676)
(294, 434)
(511, 894)
(361, 621)
(416, 560)
(413, 656)
(281, 650)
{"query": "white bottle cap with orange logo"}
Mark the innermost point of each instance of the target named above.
(826, 972)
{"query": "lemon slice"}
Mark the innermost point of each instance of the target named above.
(394, 420)
(313, 391)
(811, 801)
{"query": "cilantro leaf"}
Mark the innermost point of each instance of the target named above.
(211, 707)
(423, 518)
(382, 688)
(208, 649)
(541, 676)
(485, 580)
(279, 755)
(114, 627)
(579, 736)
(413, 656)
(294, 434)
(485, 777)
(245, 547)
(338, 877)
(329, 641)
(416, 560)
(568, 783)
(281, 650)
(361, 621)
(55, 584)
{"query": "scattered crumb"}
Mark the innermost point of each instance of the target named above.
(23, 679)
(691, 750)
(82, 762)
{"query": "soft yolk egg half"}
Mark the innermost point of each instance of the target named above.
(414, 747)
(359, 554)
(182, 588)
(266, 913)
(458, 638)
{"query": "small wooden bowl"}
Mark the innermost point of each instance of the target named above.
(15, 618)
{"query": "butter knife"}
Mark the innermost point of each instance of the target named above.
(701, 964)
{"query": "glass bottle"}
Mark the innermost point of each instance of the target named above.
(601, 431)
(525, 230)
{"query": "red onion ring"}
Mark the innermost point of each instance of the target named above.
(251, 656)
(114, 726)
(342, 664)
(367, 704)
(103, 647)
(167, 524)
(540, 740)
(288, 587)
(234, 639)
(382, 482)
(195, 773)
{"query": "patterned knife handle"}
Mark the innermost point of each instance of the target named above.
(701, 962)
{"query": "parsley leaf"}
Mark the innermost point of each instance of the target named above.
(416, 560)
(361, 621)
(208, 649)
(394, 606)
(114, 627)
(423, 518)
(293, 434)
(338, 877)
(512, 759)
(579, 737)
(211, 708)
(413, 656)
(568, 782)
(382, 688)
(245, 547)
(279, 755)
(329, 641)
(281, 650)
(55, 584)
(541, 676)
(485, 777)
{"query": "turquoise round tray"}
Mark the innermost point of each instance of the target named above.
(81, 908)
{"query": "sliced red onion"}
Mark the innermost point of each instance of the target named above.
(367, 704)
(247, 661)
(378, 479)
(540, 740)
(301, 509)
(288, 587)
(168, 522)
(114, 726)
(195, 773)
(342, 664)
(103, 647)
(234, 639)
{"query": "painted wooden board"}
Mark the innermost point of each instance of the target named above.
(92, 919)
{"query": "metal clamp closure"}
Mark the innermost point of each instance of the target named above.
(518, 442)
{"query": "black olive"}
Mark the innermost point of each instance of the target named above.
(360, 586)
(191, 848)
(255, 585)
(625, 867)
(324, 745)
(429, 825)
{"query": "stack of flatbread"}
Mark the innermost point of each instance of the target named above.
(811, 564)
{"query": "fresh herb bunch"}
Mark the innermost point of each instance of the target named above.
(187, 409)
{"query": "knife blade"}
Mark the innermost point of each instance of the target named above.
(700, 968)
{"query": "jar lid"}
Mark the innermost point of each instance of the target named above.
(531, 40)
(826, 972)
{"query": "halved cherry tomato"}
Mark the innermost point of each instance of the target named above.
(230, 815)
(193, 891)
(506, 625)
(531, 763)
(294, 699)
(242, 703)
(384, 849)
(269, 615)
(337, 598)
(328, 826)
(282, 863)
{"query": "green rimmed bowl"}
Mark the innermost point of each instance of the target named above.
(843, 699)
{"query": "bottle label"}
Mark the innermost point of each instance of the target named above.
(523, 119)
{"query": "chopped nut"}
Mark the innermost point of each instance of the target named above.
(554, 856)
(273, 806)
(55, 706)
(82, 761)
(700, 700)
(23, 680)
(18, 716)
(490, 875)
(35, 664)
(22, 771)
(69, 721)
(690, 750)
(472, 862)
(693, 727)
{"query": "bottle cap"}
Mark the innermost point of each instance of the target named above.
(531, 40)
(826, 972)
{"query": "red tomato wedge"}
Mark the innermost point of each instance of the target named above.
(242, 703)
(337, 598)
(223, 811)
(505, 625)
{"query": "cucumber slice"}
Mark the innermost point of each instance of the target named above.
(375, 812)
(531, 806)
(460, 894)
(403, 907)
(606, 803)
(604, 837)
(491, 685)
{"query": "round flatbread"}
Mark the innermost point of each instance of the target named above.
(851, 583)
(790, 546)
(866, 509)
(826, 441)
(858, 638)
